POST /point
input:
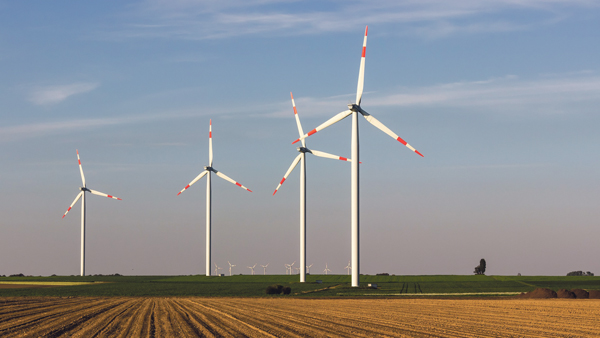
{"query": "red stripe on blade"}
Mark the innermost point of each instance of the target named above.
(364, 51)
(312, 132)
(109, 196)
(295, 111)
(239, 185)
(343, 158)
(282, 180)
(210, 134)
(187, 186)
(296, 141)
(416, 151)
(401, 140)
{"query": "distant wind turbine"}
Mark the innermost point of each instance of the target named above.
(265, 268)
(252, 268)
(301, 159)
(82, 196)
(354, 109)
(230, 266)
(308, 268)
(208, 170)
(326, 269)
(217, 268)
(348, 267)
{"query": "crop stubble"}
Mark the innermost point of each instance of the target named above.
(281, 317)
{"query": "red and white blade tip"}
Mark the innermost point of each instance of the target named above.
(399, 139)
(184, 189)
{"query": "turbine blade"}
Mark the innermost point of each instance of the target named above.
(210, 152)
(326, 124)
(80, 169)
(194, 181)
(327, 155)
(361, 72)
(223, 176)
(103, 194)
(300, 131)
(294, 164)
(387, 130)
(72, 204)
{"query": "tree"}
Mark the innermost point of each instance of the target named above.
(480, 269)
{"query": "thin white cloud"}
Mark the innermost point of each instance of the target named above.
(569, 93)
(54, 94)
(197, 20)
(11, 133)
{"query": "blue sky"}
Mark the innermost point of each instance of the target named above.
(500, 96)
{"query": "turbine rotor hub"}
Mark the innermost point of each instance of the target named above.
(303, 150)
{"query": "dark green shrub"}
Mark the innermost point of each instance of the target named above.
(287, 290)
(274, 289)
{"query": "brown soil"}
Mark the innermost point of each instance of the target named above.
(594, 294)
(539, 293)
(580, 293)
(284, 317)
(564, 293)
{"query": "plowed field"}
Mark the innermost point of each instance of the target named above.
(281, 317)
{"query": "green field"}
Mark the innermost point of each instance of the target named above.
(254, 286)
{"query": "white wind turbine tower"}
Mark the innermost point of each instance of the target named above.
(208, 170)
(348, 267)
(326, 269)
(217, 268)
(264, 268)
(354, 109)
(82, 196)
(301, 158)
(230, 266)
(252, 268)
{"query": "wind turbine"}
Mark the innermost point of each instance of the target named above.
(252, 268)
(287, 268)
(308, 268)
(326, 269)
(348, 267)
(82, 196)
(208, 170)
(217, 268)
(291, 267)
(354, 109)
(301, 158)
(230, 266)
(264, 268)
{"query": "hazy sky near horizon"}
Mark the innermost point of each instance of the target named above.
(502, 97)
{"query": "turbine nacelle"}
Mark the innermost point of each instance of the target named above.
(354, 107)
(207, 168)
(303, 150)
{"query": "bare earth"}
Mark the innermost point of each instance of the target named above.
(281, 317)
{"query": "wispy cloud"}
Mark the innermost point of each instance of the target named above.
(198, 20)
(567, 93)
(48, 95)
(28, 130)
